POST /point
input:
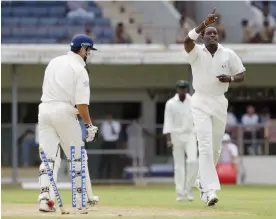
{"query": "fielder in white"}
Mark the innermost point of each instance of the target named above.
(213, 68)
(65, 85)
(179, 130)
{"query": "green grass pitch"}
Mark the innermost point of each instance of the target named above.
(239, 202)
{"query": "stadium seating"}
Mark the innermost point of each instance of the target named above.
(272, 7)
(47, 22)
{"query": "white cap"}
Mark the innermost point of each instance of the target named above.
(226, 137)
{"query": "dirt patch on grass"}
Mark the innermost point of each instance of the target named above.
(30, 211)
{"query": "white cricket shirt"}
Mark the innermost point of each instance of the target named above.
(178, 116)
(107, 132)
(66, 80)
(227, 152)
(205, 68)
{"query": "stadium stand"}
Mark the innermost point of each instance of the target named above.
(272, 7)
(47, 22)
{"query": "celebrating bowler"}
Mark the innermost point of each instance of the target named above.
(213, 68)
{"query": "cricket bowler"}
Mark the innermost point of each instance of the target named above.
(214, 67)
(65, 85)
(179, 130)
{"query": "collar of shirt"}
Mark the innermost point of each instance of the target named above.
(219, 48)
(77, 57)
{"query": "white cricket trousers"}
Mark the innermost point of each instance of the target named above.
(58, 124)
(209, 115)
(185, 171)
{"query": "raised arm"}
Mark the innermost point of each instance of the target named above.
(189, 43)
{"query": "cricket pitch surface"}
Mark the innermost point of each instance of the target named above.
(30, 211)
(149, 202)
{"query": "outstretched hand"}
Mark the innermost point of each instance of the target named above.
(211, 18)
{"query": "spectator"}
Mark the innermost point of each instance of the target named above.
(78, 12)
(29, 140)
(258, 22)
(136, 145)
(230, 155)
(121, 36)
(267, 17)
(220, 29)
(88, 32)
(247, 32)
(264, 115)
(110, 132)
(231, 122)
(75, 5)
(183, 29)
(266, 33)
(274, 36)
(249, 120)
(229, 152)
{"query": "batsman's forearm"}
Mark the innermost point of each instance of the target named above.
(84, 113)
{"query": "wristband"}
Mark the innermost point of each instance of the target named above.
(193, 34)
(88, 125)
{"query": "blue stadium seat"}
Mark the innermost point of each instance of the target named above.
(39, 12)
(72, 30)
(20, 12)
(97, 11)
(105, 40)
(98, 31)
(57, 12)
(46, 41)
(102, 22)
(11, 40)
(28, 21)
(91, 4)
(58, 32)
(63, 21)
(108, 32)
(48, 21)
(6, 12)
(28, 40)
(10, 21)
(42, 32)
(23, 32)
(6, 32)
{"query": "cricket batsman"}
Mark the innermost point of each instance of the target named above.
(179, 130)
(65, 85)
(214, 67)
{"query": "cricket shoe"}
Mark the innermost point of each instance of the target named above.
(44, 206)
(91, 202)
(94, 201)
(212, 199)
(190, 195)
(202, 195)
(179, 197)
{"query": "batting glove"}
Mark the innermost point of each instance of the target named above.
(92, 132)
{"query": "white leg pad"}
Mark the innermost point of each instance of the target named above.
(44, 181)
(88, 182)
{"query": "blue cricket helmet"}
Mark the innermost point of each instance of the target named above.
(82, 40)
